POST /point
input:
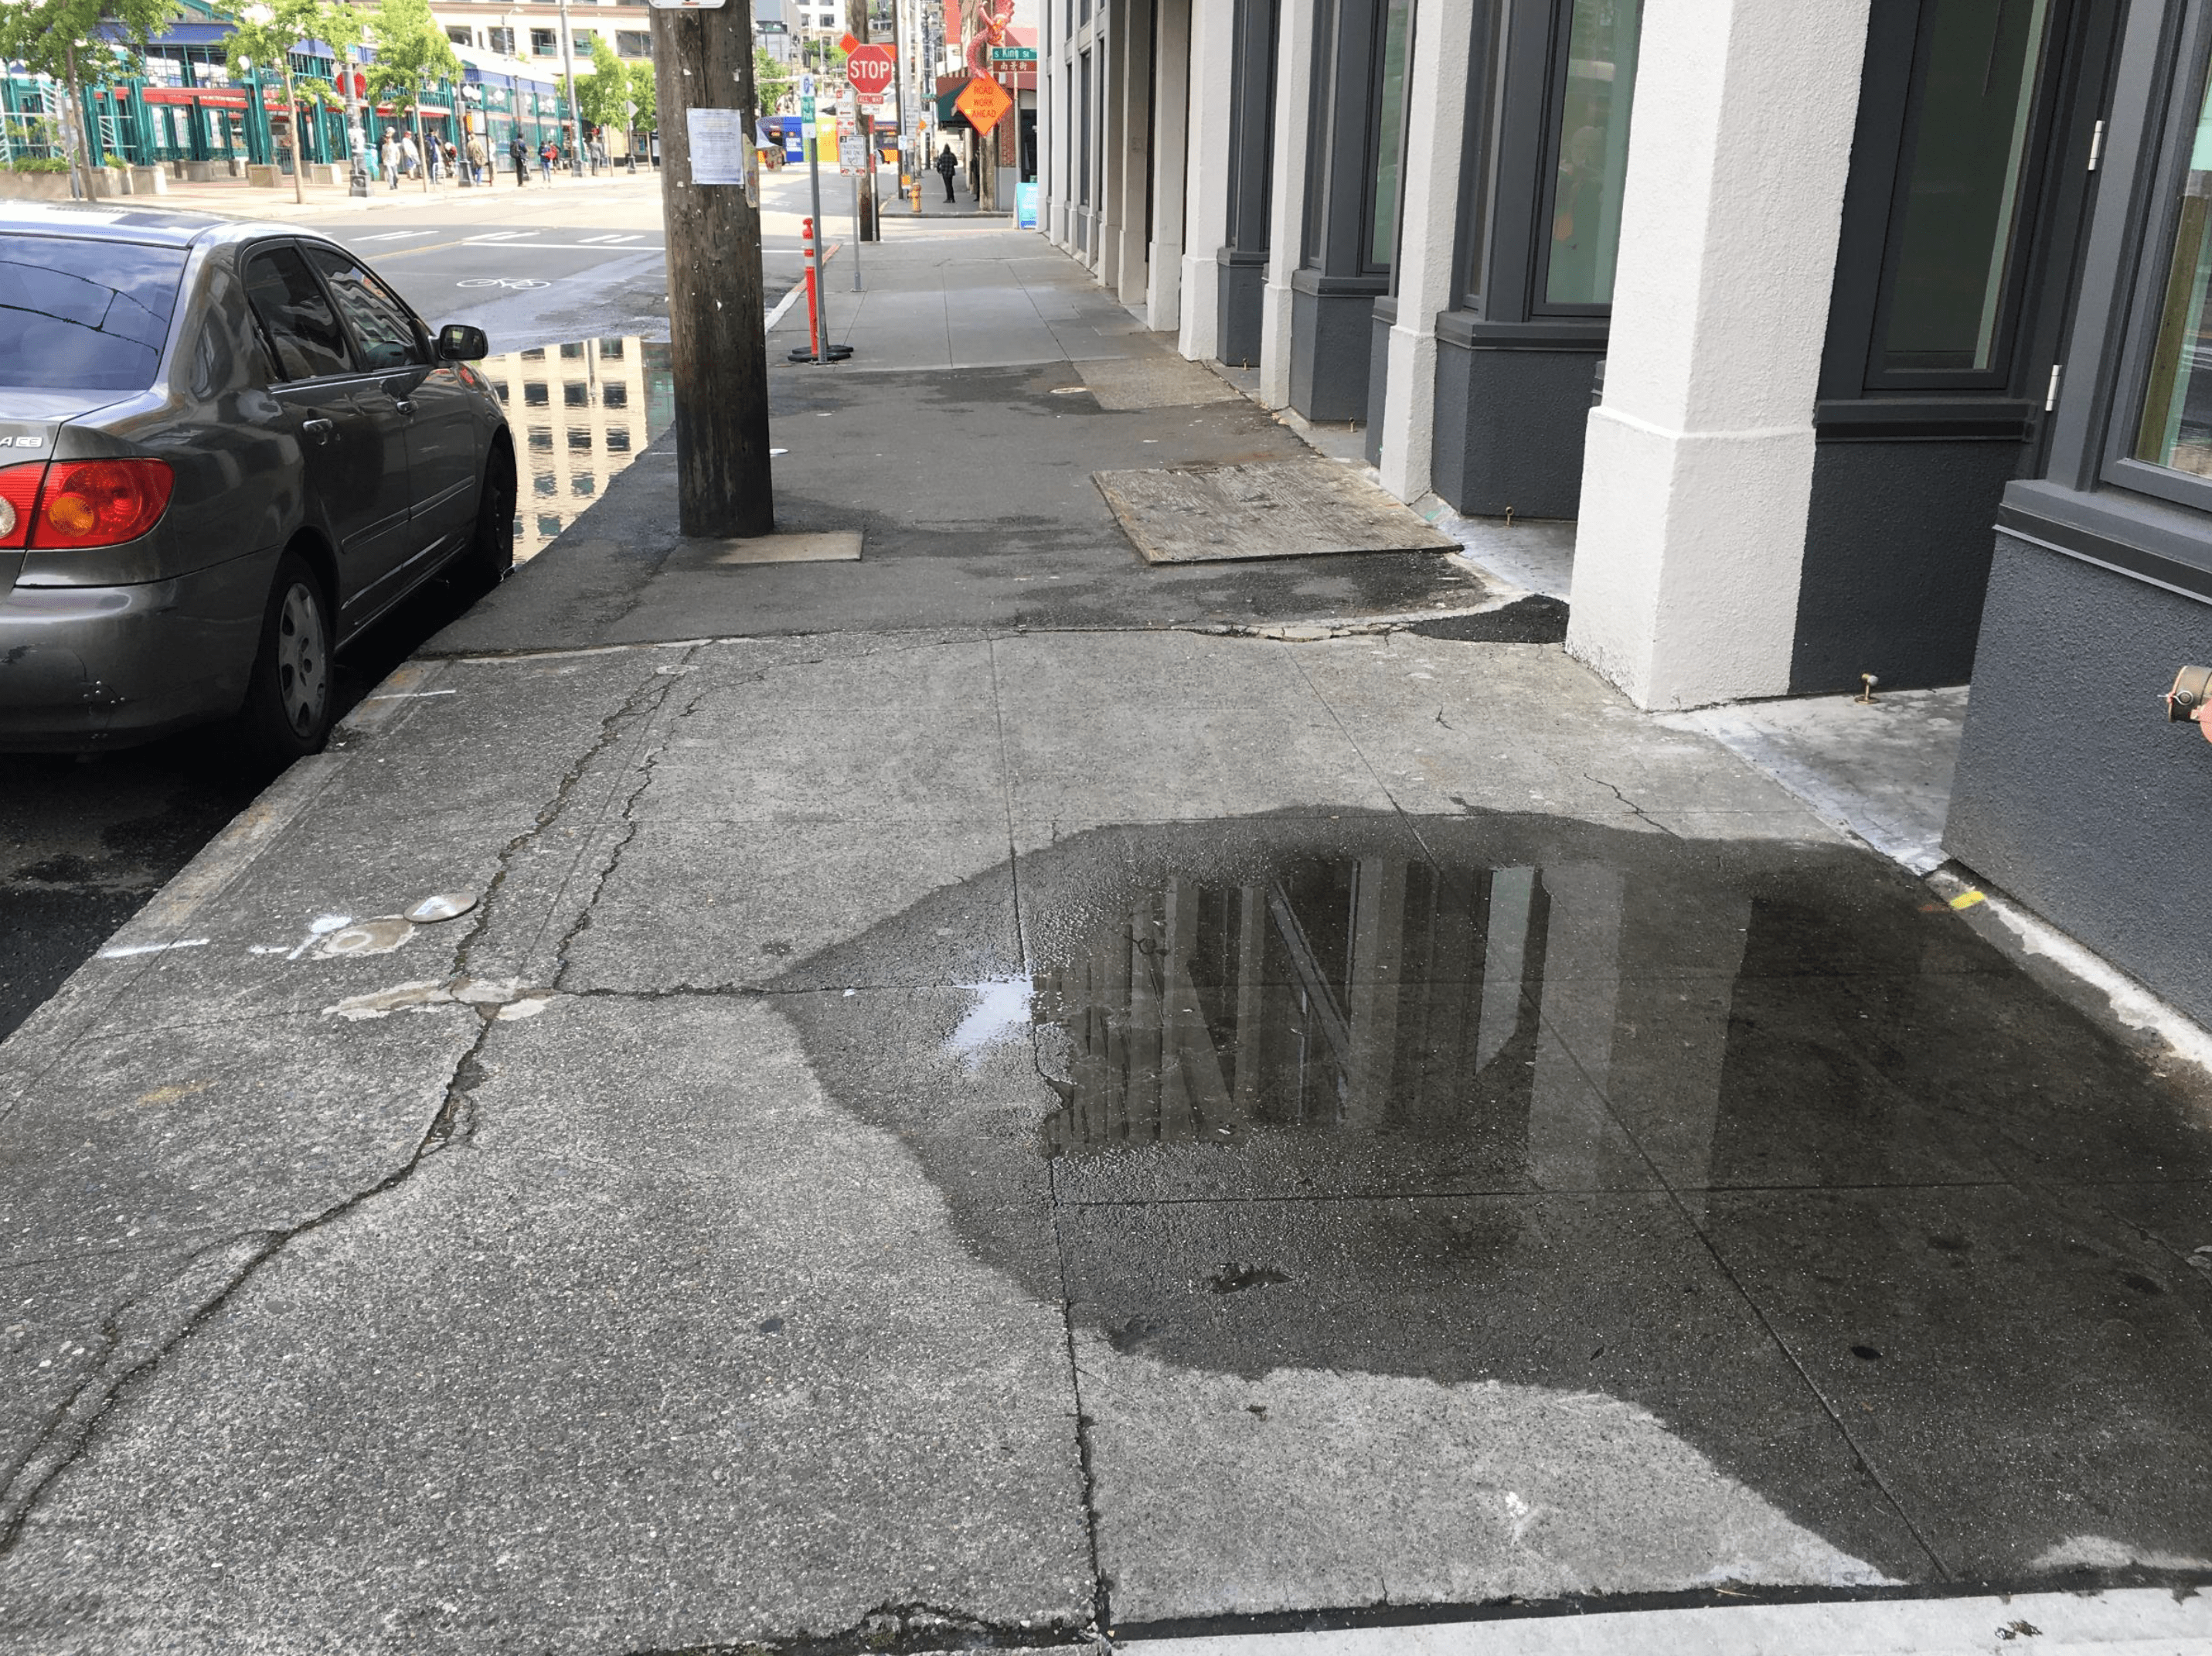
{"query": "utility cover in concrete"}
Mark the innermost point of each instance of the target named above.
(1161, 381)
(1275, 508)
(828, 546)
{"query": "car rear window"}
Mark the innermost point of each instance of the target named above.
(82, 314)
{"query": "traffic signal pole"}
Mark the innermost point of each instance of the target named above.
(710, 197)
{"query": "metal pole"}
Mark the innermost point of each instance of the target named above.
(814, 184)
(568, 67)
(856, 211)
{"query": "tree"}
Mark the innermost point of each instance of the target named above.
(270, 34)
(412, 52)
(641, 94)
(771, 83)
(81, 43)
(601, 98)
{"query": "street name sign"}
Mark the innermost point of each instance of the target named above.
(983, 103)
(1013, 54)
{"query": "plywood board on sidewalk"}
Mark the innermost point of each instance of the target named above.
(1163, 381)
(1298, 507)
(830, 546)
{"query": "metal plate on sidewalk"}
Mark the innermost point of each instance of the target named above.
(1275, 508)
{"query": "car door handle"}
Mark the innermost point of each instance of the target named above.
(406, 405)
(319, 429)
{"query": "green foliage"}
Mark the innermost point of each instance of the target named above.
(412, 53)
(266, 35)
(772, 82)
(36, 164)
(106, 39)
(641, 93)
(598, 97)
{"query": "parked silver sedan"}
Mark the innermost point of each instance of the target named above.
(225, 448)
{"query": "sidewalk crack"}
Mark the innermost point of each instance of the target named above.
(73, 1427)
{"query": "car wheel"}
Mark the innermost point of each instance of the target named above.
(492, 547)
(287, 702)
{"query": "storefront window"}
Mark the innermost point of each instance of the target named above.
(1963, 185)
(1593, 153)
(1389, 129)
(2177, 419)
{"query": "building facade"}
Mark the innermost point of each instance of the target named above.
(1855, 338)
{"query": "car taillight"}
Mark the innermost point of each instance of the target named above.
(19, 493)
(100, 503)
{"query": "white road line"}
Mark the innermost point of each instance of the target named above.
(391, 235)
(605, 240)
(784, 305)
(496, 235)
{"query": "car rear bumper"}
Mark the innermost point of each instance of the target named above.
(106, 666)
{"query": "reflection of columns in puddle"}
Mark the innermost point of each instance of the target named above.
(1193, 1097)
(1251, 996)
(1378, 936)
(1505, 961)
(1582, 953)
(1654, 1043)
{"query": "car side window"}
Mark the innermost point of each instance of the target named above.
(298, 318)
(383, 326)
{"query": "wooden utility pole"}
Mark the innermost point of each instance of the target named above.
(717, 346)
(856, 23)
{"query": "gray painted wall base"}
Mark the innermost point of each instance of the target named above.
(1509, 429)
(1242, 278)
(1897, 556)
(2072, 791)
(1382, 320)
(1329, 347)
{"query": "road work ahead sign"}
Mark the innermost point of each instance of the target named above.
(983, 102)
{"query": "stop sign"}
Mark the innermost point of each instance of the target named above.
(871, 68)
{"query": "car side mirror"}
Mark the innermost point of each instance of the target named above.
(460, 343)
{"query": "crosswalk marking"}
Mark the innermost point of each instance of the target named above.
(394, 235)
(605, 240)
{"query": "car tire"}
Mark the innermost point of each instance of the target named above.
(491, 547)
(288, 700)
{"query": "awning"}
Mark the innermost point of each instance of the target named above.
(947, 116)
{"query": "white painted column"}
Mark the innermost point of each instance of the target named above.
(1286, 227)
(1170, 162)
(1698, 477)
(1205, 186)
(1135, 58)
(1428, 239)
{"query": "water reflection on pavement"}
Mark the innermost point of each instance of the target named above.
(580, 412)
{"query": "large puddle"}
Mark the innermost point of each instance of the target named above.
(1760, 1138)
(580, 412)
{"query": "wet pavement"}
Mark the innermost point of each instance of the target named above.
(911, 1123)
(956, 1114)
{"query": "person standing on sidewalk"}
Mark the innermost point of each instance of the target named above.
(546, 151)
(388, 154)
(410, 158)
(946, 167)
(519, 152)
(477, 156)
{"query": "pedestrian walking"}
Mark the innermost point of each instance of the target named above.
(519, 152)
(410, 158)
(477, 156)
(598, 152)
(388, 154)
(946, 167)
(546, 153)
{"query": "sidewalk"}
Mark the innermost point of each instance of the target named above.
(239, 200)
(998, 1094)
